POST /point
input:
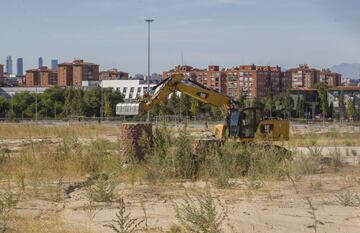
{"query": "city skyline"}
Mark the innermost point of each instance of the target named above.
(224, 32)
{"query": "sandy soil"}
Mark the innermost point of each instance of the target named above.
(276, 206)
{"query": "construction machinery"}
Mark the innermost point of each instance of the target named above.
(244, 124)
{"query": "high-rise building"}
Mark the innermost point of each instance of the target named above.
(1, 70)
(20, 67)
(40, 62)
(54, 64)
(9, 65)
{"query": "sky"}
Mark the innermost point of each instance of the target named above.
(228, 33)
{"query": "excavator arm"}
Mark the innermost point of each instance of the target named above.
(170, 85)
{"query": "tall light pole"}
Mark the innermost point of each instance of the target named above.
(36, 105)
(102, 102)
(149, 21)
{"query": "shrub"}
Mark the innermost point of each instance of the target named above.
(123, 222)
(202, 214)
(102, 189)
(348, 198)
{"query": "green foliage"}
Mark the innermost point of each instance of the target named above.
(102, 189)
(202, 214)
(323, 94)
(185, 160)
(331, 110)
(123, 222)
(169, 156)
(351, 111)
(342, 107)
(284, 101)
(242, 100)
(4, 106)
(59, 103)
(195, 107)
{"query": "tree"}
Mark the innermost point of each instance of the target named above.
(115, 97)
(298, 100)
(351, 109)
(302, 108)
(323, 94)
(92, 101)
(331, 110)
(342, 107)
(184, 104)
(194, 109)
(4, 106)
(108, 112)
(24, 104)
(269, 103)
(287, 103)
(242, 100)
(173, 104)
(52, 102)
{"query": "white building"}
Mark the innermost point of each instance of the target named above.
(131, 89)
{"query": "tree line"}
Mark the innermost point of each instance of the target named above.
(61, 103)
(186, 106)
(65, 103)
(346, 109)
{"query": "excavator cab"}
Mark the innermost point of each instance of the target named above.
(244, 123)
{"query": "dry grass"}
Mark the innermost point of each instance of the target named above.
(332, 138)
(14, 131)
(50, 224)
(41, 169)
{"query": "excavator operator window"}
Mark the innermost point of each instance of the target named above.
(233, 122)
(248, 123)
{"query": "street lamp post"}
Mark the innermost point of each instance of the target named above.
(36, 105)
(102, 103)
(149, 21)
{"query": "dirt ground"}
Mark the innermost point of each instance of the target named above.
(273, 206)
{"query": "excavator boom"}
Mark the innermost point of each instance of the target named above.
(175, 83)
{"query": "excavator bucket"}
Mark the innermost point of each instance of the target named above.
(128, 109)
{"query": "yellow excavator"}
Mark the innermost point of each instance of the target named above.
(244, 124)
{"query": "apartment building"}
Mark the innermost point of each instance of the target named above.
(72, 74)
(249, 80)
(113, 74)
(332, 79)
(303, 76)
(84, 71)
(65, 74)
(212, 77)
(32, 78)
(42, 77)
(47, 77)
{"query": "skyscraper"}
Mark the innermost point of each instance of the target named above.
(20, 67)
(54, 64)
(40, 62)
(1, 70)
(9, 65)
